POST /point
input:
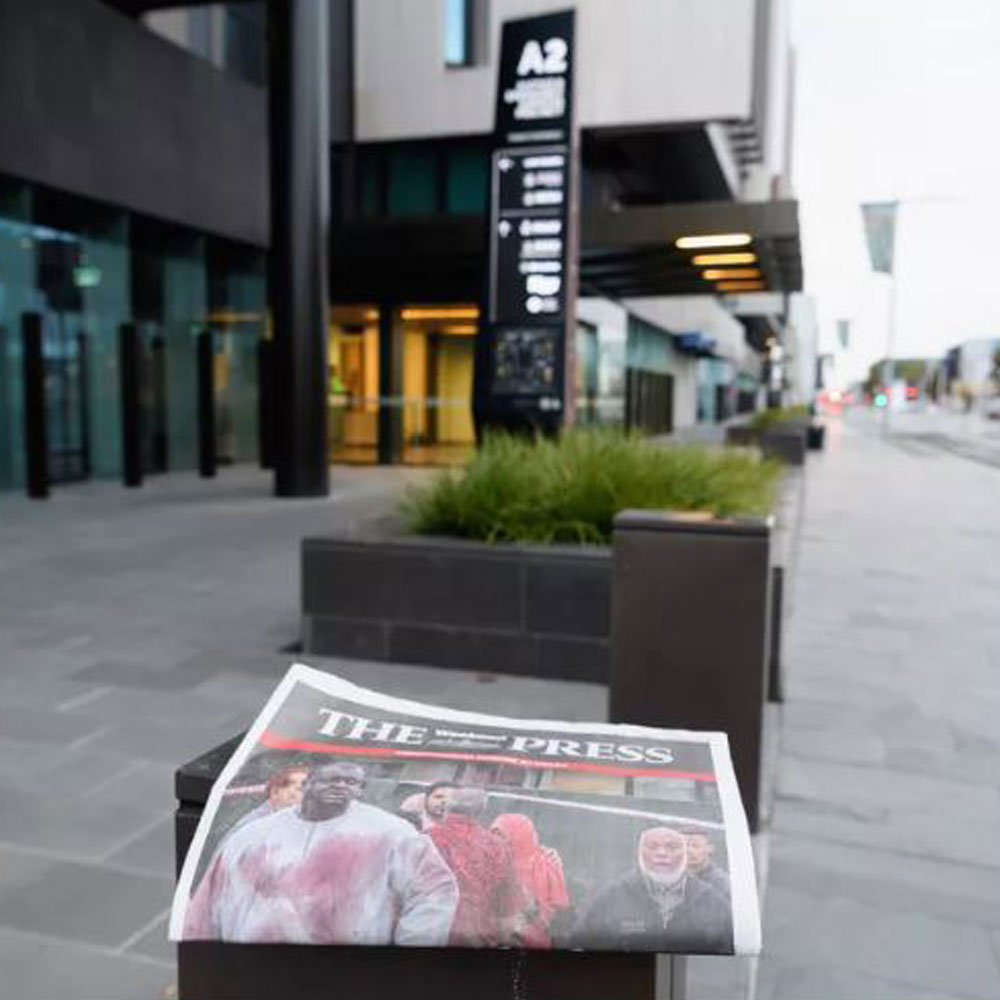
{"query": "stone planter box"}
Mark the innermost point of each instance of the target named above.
(742, 435)
(785, 442)
(540, 611)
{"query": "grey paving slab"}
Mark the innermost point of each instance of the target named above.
(809, 981)
(909, 948)
(152, 851)
(85, 827)
(44, 726)
(60, 769)
(963, 893)
(154, 943)
(45, 970)
(82, 902)
(716, 977)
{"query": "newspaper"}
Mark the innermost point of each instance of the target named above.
(349, 817)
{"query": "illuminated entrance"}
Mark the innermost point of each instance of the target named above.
(438, 362)
(428, 413)
(352, 384)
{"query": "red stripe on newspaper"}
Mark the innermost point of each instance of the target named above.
(275, 742)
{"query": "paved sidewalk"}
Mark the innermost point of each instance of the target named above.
(138, 629)
(885, 847)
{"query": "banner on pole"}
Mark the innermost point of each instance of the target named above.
(880, 232)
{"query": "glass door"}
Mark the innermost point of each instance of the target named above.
(153, 398)
(64, 352)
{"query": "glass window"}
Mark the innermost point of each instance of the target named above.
(370, 183)
(458, 33)
(412, 182)
(246, 41)
(468, 181)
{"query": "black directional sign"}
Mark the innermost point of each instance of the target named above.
(522, 359)
(528, 277)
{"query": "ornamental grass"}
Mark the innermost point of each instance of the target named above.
(568, 489)
(764, 420)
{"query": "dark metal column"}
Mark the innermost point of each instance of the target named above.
(390, 414)
(36, 444)
(300, 191)
(206, 405)
(131, 416)
(265, 404)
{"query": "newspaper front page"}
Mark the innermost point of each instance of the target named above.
(349, 817)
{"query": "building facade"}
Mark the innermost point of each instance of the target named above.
(134, 214)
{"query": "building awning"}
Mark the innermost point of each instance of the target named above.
(632, 252)
(625, 253)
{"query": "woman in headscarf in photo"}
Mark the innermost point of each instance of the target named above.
(539, 874)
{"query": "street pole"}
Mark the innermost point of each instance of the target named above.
(890, 333)
(889, 373)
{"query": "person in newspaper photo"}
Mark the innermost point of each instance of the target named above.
(658, 905)
(540, 879)
(700, 852)
(489, 903)
(424, 809)
(332, 870)
(283, 790)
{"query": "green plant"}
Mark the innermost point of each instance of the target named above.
(570, 488)
(766, 419)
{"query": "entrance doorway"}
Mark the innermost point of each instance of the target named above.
(438, 366)
(153, 426)
(64, 354)
(352, 385)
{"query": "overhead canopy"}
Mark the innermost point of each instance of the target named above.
(626, 253)
(632, 252)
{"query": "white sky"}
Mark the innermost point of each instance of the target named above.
(898, 99)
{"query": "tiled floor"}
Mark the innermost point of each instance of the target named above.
(138, 629)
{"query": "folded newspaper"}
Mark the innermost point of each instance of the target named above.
(350, 817)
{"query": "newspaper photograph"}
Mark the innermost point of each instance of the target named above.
(350, 817)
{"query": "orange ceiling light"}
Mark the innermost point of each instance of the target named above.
(715, 259)
(714, 240)
(461, 329)
(740, 286)
(442, 312)
(728, 273)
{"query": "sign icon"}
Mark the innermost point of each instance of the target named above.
(504, 227)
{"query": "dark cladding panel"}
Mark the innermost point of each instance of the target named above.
(341, 14)
(95, 104)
